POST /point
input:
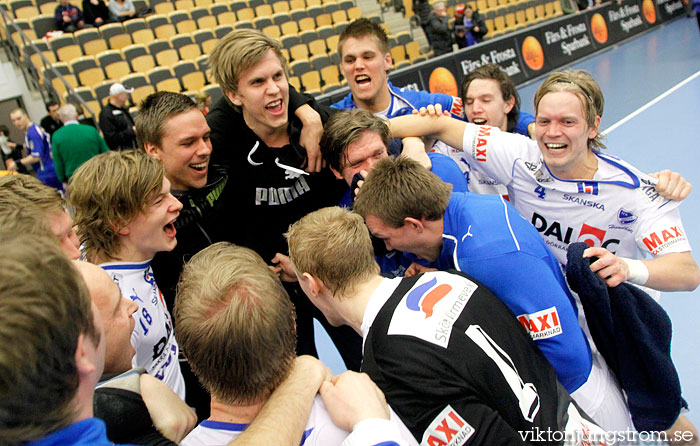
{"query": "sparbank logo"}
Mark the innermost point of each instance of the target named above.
(424, 297)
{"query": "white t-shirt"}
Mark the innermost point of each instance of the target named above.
(618, 209)
(153, 337)
(478, 182)
(319, 431)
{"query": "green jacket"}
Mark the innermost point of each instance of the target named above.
(72, 145)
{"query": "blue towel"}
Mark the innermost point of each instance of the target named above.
(633, 333)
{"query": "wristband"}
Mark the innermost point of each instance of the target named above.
(638, 271)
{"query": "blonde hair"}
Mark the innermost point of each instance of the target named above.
(399, 188)
(333, 244)
(582, 84)
(237, 52)
(107, 192)
(27, 205)
(235, 323)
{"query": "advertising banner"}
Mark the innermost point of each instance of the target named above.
(615, 22)
(503, 52)
(566, 40)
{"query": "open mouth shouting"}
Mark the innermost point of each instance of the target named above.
(555, 147)
(275, 107)
(362, 80)
(169, 229)
(479, 121)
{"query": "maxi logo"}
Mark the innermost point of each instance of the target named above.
(447, 429)
(420, 299)
(457, 106)
(543, 324)
(656, 243)
(482, 141)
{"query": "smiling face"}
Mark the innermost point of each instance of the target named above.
(116, 315)
(364, 65)
(263, 95)
(562, 135)
(485, 105)
(360, 155)
(184, 150)
(152, 230)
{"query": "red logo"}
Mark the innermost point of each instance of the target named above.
(543, 324)
(448, 429)
(481, 141)
(591, 236)
(457, 106)
(656, 243)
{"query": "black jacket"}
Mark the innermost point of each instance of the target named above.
(440, 35)
(117, 125)
(91, 12)
(268, 197)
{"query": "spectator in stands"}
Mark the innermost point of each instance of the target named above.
(10, 152)
(36, 141)
(74, 143)
(68, 17)
(440, 33)
(255, 137)
(115, 121)
(52, 121)
(96, 12)
(122, 10)
(236, 322)
(124, 213)
(365, 59)
(423, 10)
(470, 27)
(203, 101)
(30, 206)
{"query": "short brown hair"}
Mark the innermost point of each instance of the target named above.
(334, 245)
(582, 84)
(154, 112)
(495, 72)
(344, 128)
(107, 192)
(237, 52)
(364, 27)
(235, 323)
(40, 322)
(401, 188)
(27, 205)
(23, 187)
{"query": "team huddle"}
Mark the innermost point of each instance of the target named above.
(471, 270)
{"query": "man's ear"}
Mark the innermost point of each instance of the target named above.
(414, 223)
(509, 104)
(233, 97)
(593, 131)
(83, 362)
(152, 150)
(388, 61)
(336, 173)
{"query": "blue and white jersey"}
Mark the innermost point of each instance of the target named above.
(618, 209)
(478, 181)
(153, 337)
(319, 431)
(37, 142)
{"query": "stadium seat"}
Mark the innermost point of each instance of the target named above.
(113, 64)
(262, 22)
(88, 71)
(190, 77)
(281, 6)
(186, 47)
(299, 52)
(272, 31)
(221, 30)
(311, 81)
(398, 54)
(115, 35)
(102, 91)
(164, 53)
(279, 18)
(299, 67)
(308, 36)
(318, 48)
(289, 28)
(139, 58)
(320, 62)
(183, 22)
(65, 47)
(164, 80)
(91, 41)
(161, 26)
(42, 24)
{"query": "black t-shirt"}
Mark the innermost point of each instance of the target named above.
(458, 368)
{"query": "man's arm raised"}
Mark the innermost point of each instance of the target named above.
(446, 129)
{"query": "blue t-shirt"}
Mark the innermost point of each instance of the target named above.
(486, 238)
(37, 143)
(88, 432)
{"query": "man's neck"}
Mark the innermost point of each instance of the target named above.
(272, 137)
(377, 104)
(126, 253)
(229, 413)
(352, 308)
